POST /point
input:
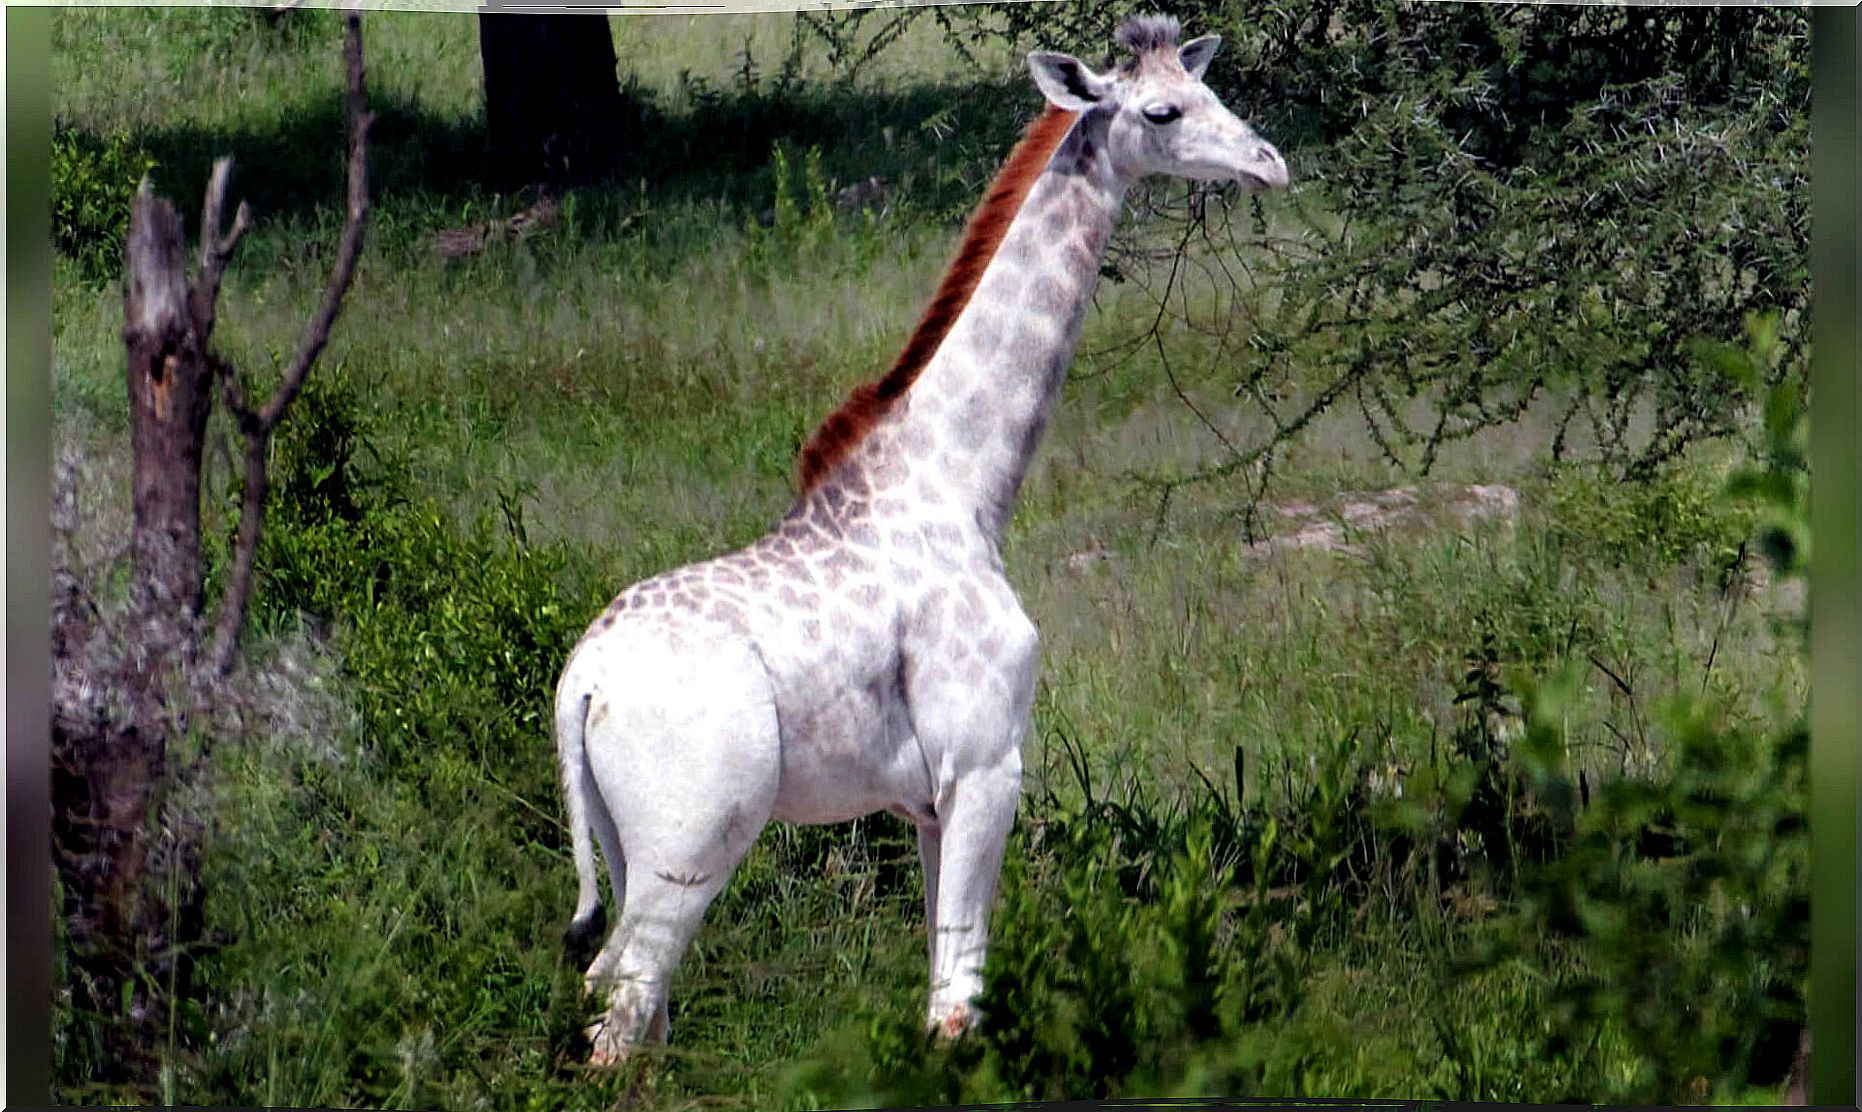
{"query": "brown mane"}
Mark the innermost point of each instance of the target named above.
(848, 425)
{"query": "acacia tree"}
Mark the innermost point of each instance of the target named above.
(123, 696)
(1498, 208)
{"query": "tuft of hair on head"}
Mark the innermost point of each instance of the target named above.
(1142, 34)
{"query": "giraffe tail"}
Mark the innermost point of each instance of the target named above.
(590, 919)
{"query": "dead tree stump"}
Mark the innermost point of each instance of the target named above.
(122, 694)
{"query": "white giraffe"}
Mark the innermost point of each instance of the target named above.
(869, 654)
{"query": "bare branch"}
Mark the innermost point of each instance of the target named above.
(215, 249)
(245, 555)
(349, 250)
(258, 427)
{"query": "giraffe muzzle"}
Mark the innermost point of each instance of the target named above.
(1263, 170)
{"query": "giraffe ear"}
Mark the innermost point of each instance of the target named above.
(1196, 53)
(1066, 82)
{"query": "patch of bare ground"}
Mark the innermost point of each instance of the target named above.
(1334, 525)
(1340, 522)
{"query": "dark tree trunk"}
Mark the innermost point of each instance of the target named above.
(170, 397)
(552, 102)
(106, 773)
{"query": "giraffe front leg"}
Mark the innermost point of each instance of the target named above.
(971, 710)
(975, 821)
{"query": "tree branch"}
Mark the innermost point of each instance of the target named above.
(350, 249)
(215, 249)
(258, 427)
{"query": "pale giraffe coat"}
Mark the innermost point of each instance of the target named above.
(869, 654)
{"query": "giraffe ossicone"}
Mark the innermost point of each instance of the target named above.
(868, 654)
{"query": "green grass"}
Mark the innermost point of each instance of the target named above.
(389, 870)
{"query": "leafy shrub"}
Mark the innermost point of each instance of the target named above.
(316, 472)
(1516, 220)
(453, 639)
(1676, 516)
(93, 183)
(452, 636)
(1687, 897)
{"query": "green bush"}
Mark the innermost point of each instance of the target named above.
(452, 636)
(1686, 895)
(1677, 516)
(93, 182)
(453, 639)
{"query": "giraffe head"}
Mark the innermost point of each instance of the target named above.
(1162, 119)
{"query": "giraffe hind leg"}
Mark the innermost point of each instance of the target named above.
(609, 839)
(687, 772)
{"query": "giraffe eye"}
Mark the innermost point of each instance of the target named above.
(1162, 113)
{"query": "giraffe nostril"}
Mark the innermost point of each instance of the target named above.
(1266, 153)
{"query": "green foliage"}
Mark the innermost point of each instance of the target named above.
(801, 219)
(1687, 897)
(314, 466)
(451, 636)
(1687, 894)
(1777, 482)
(93, 182)
(476, 617)
(1676, 516)
(1519, 214)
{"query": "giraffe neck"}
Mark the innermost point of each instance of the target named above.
(971, 423)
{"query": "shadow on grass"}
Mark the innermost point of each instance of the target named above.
(932, 144)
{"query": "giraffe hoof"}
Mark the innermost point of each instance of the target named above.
(608, 1052)
(954, 1021)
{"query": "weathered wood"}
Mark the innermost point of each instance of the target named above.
(109, 754)
(216, 250)
(170, 398)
